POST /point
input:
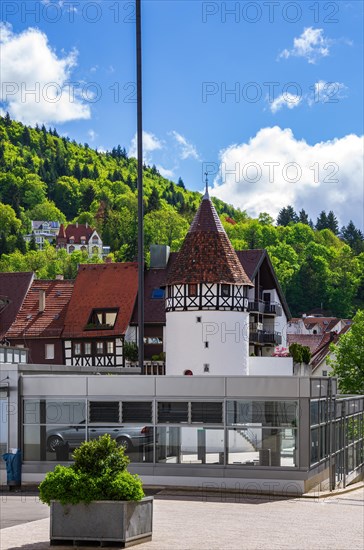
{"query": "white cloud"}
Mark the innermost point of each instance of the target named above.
(92, 135)
(34, 79)
(312, 45)
(165, 172)
(187, 149)
(325, 176)
(327, 92)
(285, 100)
(150, 143)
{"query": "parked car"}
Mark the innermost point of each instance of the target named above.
(130, 437)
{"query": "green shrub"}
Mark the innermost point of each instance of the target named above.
(300, 354)
(131, 351)
(99, 473)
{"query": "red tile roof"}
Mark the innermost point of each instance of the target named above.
(313, 341)
(323, 350)
(102, 286)
(13, 289)
(75, 231)
(206, 254)
(30, 322)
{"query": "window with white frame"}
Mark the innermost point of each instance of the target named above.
(49, 351)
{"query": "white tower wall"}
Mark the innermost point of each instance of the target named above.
(227, 335)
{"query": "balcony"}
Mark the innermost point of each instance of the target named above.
(272, 308)
(259, 335)
(257, 306)
(266, 308)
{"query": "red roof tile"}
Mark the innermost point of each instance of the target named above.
(313, 341)
(30, 322)
(76, 232)
(13, 289)
(206, 254)
(102, 286)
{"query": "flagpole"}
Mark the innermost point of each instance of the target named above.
(140, 189)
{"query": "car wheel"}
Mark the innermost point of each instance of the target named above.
(124, 441)
(53, 442)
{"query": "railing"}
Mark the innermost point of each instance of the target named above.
(264, 336)
(272, 308)
(268, 308)
(256, 307)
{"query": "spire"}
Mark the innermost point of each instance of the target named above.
(207, 255)
(206, 195)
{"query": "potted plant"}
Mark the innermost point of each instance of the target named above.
(96, 499)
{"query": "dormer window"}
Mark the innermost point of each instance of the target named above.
(225, 291)
(102, 319)
(83, 240)
(72, 240)
(158, 293)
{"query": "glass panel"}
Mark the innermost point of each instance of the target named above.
(172, 412)
(87, 348)
(51, 443)
(190, 445)
(314, 412)
(4, 419)
(77, 349)
(262, 447)
(110, 347)
(314, 445)
(104, 411)
(265, 413)
(138, 441)
(209, 413)
(323, 450)
(315, 387)
(110, 318)
(137, 411)
(99, 348)
(47, 411)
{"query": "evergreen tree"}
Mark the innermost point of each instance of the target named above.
(77, 171)
(286, 216)
(180, 183)
(20, 243)
(26, 137)
(95, 173)
(154, 202)
(303, 217)
(86, 172)
(321, 222)
(332, 223)
(87, 198)
(32, 243)
(7, 119)
(4, 249)
(353, 237)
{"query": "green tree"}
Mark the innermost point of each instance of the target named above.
(20, 243)
(154, 202)
(303, 217)
(32, 243)
(321, 222)
(265, 219)
(9, 223)
(332, 223)
(46, 211)
(286, 216)
(353, 237)
(347, 359)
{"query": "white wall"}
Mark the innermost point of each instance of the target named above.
(227, 333)
(270, 366)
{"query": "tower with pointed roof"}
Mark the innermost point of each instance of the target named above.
(207, 319)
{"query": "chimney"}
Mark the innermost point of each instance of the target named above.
(86, 225)
(59, 277)
(159, 256)
(76, 224)
(42, 300)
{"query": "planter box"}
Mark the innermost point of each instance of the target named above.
(105, 521)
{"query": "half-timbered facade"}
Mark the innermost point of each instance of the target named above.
(206, 302)
(99, 315)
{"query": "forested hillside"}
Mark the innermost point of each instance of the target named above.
(47, 177)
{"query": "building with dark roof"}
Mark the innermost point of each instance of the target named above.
(78, 236)
(13, 289)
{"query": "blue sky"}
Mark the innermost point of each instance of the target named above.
(265, 96)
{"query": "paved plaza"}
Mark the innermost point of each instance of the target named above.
(238, 522)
